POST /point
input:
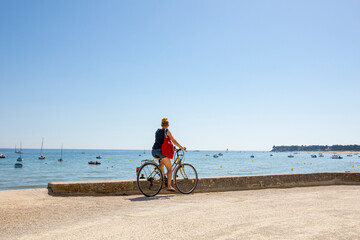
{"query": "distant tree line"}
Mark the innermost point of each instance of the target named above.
(310, 148)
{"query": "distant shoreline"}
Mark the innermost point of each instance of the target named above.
(348, 152)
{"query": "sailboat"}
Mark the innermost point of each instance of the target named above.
(42, 157)
(20, 151)
(61, 159)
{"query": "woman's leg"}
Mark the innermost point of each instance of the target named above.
(167, 163)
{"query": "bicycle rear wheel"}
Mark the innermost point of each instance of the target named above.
(186, 178)
(150, 179)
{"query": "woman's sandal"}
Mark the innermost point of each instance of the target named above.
(171, 189)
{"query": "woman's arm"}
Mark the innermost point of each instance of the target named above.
(174, 141)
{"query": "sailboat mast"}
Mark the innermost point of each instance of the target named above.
(42, 143)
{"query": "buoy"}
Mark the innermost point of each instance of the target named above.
(130, 160)
(220, 166)
(192, 181)
(292, 169)
(352, 166)
(297, 163)
(205, 158)
(252, 160)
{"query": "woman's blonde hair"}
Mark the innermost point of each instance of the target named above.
(164, 122)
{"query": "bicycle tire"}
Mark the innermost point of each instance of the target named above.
(185, 184)
(147, 182)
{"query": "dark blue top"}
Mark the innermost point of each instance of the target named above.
(159, 138)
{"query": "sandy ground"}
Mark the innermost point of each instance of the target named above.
(331, 212)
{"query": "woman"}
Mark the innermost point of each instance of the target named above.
(160, 135)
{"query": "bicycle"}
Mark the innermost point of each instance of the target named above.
(150, 176)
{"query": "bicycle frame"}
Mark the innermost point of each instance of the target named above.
(151, 174)
(177, 162)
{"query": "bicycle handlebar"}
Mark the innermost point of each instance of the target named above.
(178, 149)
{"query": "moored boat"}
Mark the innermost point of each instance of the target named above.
(2, 155)
(321, 155)
(61, 159)
(18, 165)
(19, 159)
(335, 156)
(313, 156)
(215, 156)
(18, 151)
(290, 156)
(42, 157)
(94, 163)
(99, 157)
(252, 156)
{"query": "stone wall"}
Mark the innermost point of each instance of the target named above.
(209, 184)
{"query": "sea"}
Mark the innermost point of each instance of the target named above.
(121, 164)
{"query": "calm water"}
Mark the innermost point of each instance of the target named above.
(121, 164)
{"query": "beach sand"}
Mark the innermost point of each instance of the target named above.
(330, 212)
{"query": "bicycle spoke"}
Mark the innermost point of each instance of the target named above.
(149, 179)
(186, 178)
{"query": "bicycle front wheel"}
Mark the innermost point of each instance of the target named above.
(186, 178)
(150, 179)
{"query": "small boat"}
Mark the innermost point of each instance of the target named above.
(271, 155)
(18, 165)
(290, 156)
(2, 155)
(139, 155)
(252, 156)
(99, 157)
(61, 159)
(83, 152)
(335, 156)
(94, 163)
(321, 155)
(42, 157)
(206, 155)
(313, 156)
(349, 155)
(18, 151)
(215, 156)
(220, 154)
(19, 159)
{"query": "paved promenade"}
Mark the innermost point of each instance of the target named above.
(327, 212)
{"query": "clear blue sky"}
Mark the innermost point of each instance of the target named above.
(243, 75)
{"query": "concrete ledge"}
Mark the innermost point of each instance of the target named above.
(208, 184)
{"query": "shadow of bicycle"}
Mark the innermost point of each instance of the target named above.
(142, 199)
